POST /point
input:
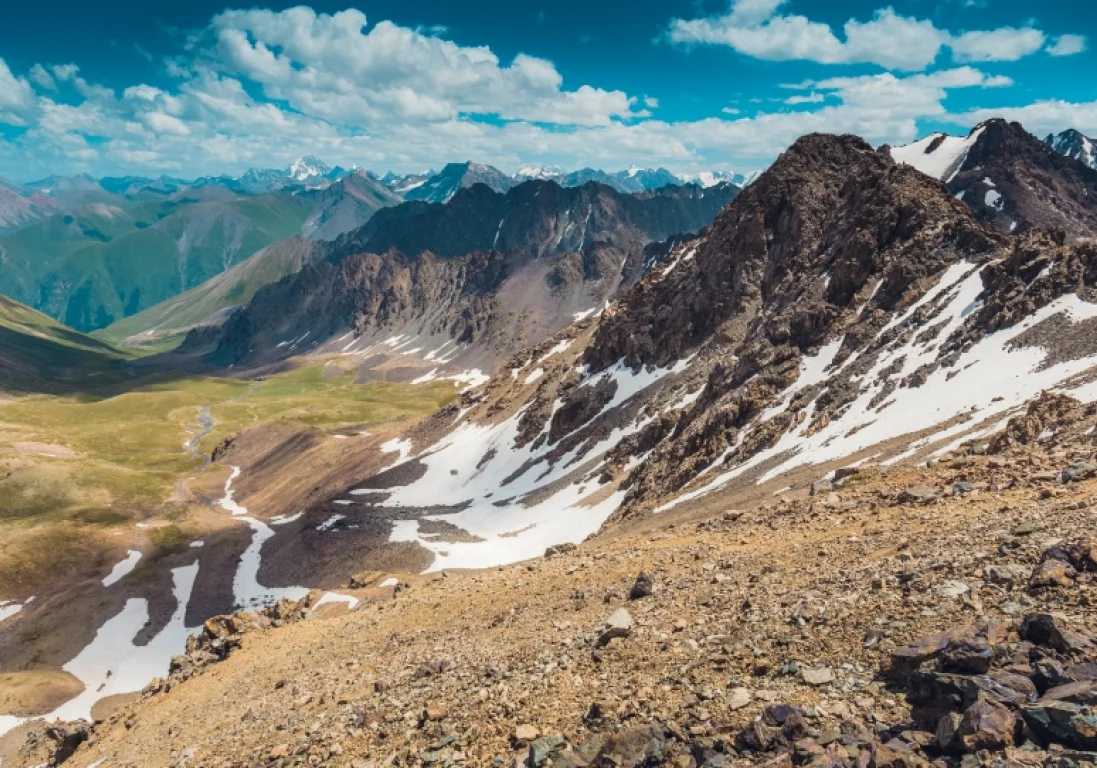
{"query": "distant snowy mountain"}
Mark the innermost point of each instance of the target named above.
(1076, 145)
(711, 178)
(401, 184)
(308, 172)
(456, 176)
(633, 180)
(546, 172)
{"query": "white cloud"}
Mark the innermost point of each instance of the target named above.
(65, 72)
(890, 40)
(329, 66)
(1041, 117)
(1005, 44)
(1067, 45)
(387, 97)
(756, 29)
(812, 98)
(42, 78)
(17, 98)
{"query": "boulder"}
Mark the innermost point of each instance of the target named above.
(641, 588)
(986, 725)
(968, 655)
(1062, 722)
(619, 624)
(1078, 471)
(817, 675)
(919, 494)
(545, 748)
(1044, 629)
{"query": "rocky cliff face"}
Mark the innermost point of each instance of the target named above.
(844, 307)
(486, 274)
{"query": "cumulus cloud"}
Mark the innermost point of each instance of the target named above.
(1005, 44)
(331, 67)
(1041, 117)
(42, 78)
(258, 88)
(757, 29)
(17, 98)
(1067, 45)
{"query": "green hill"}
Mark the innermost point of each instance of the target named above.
(39, 354)
(105, 261)
(164, 325)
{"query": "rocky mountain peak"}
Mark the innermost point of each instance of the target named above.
(796, 246)
(1015, 182)
(1074, 144)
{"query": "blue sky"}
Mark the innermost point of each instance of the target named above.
(196, 88)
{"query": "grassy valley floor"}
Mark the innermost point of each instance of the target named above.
(93, 478)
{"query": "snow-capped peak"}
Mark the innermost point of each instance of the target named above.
(307, 167)
(539, 172)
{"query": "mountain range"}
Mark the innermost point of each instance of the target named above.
(480, 275)
(790, 428)
(842, 307)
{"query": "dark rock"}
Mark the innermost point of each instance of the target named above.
(944, 691)
(1062, 722)
(969, 655)
(1052, 572)
(987, 725)
(1083, 692)
(67, 738)
(1044, 629)
(947, 728)
(896, 754)
(1078, 471)
(1048, 673)
(642, 588)
(907, 660)
(544, 748)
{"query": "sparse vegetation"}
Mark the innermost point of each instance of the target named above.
(75, 466)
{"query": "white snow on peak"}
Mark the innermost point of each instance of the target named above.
(990, 379)
(944, 161)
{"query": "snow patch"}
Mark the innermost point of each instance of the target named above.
(123, 568)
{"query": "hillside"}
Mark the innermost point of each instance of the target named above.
(92, 284)
(166, 324)
(854, 626)
(346, 205)
(38, 354)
